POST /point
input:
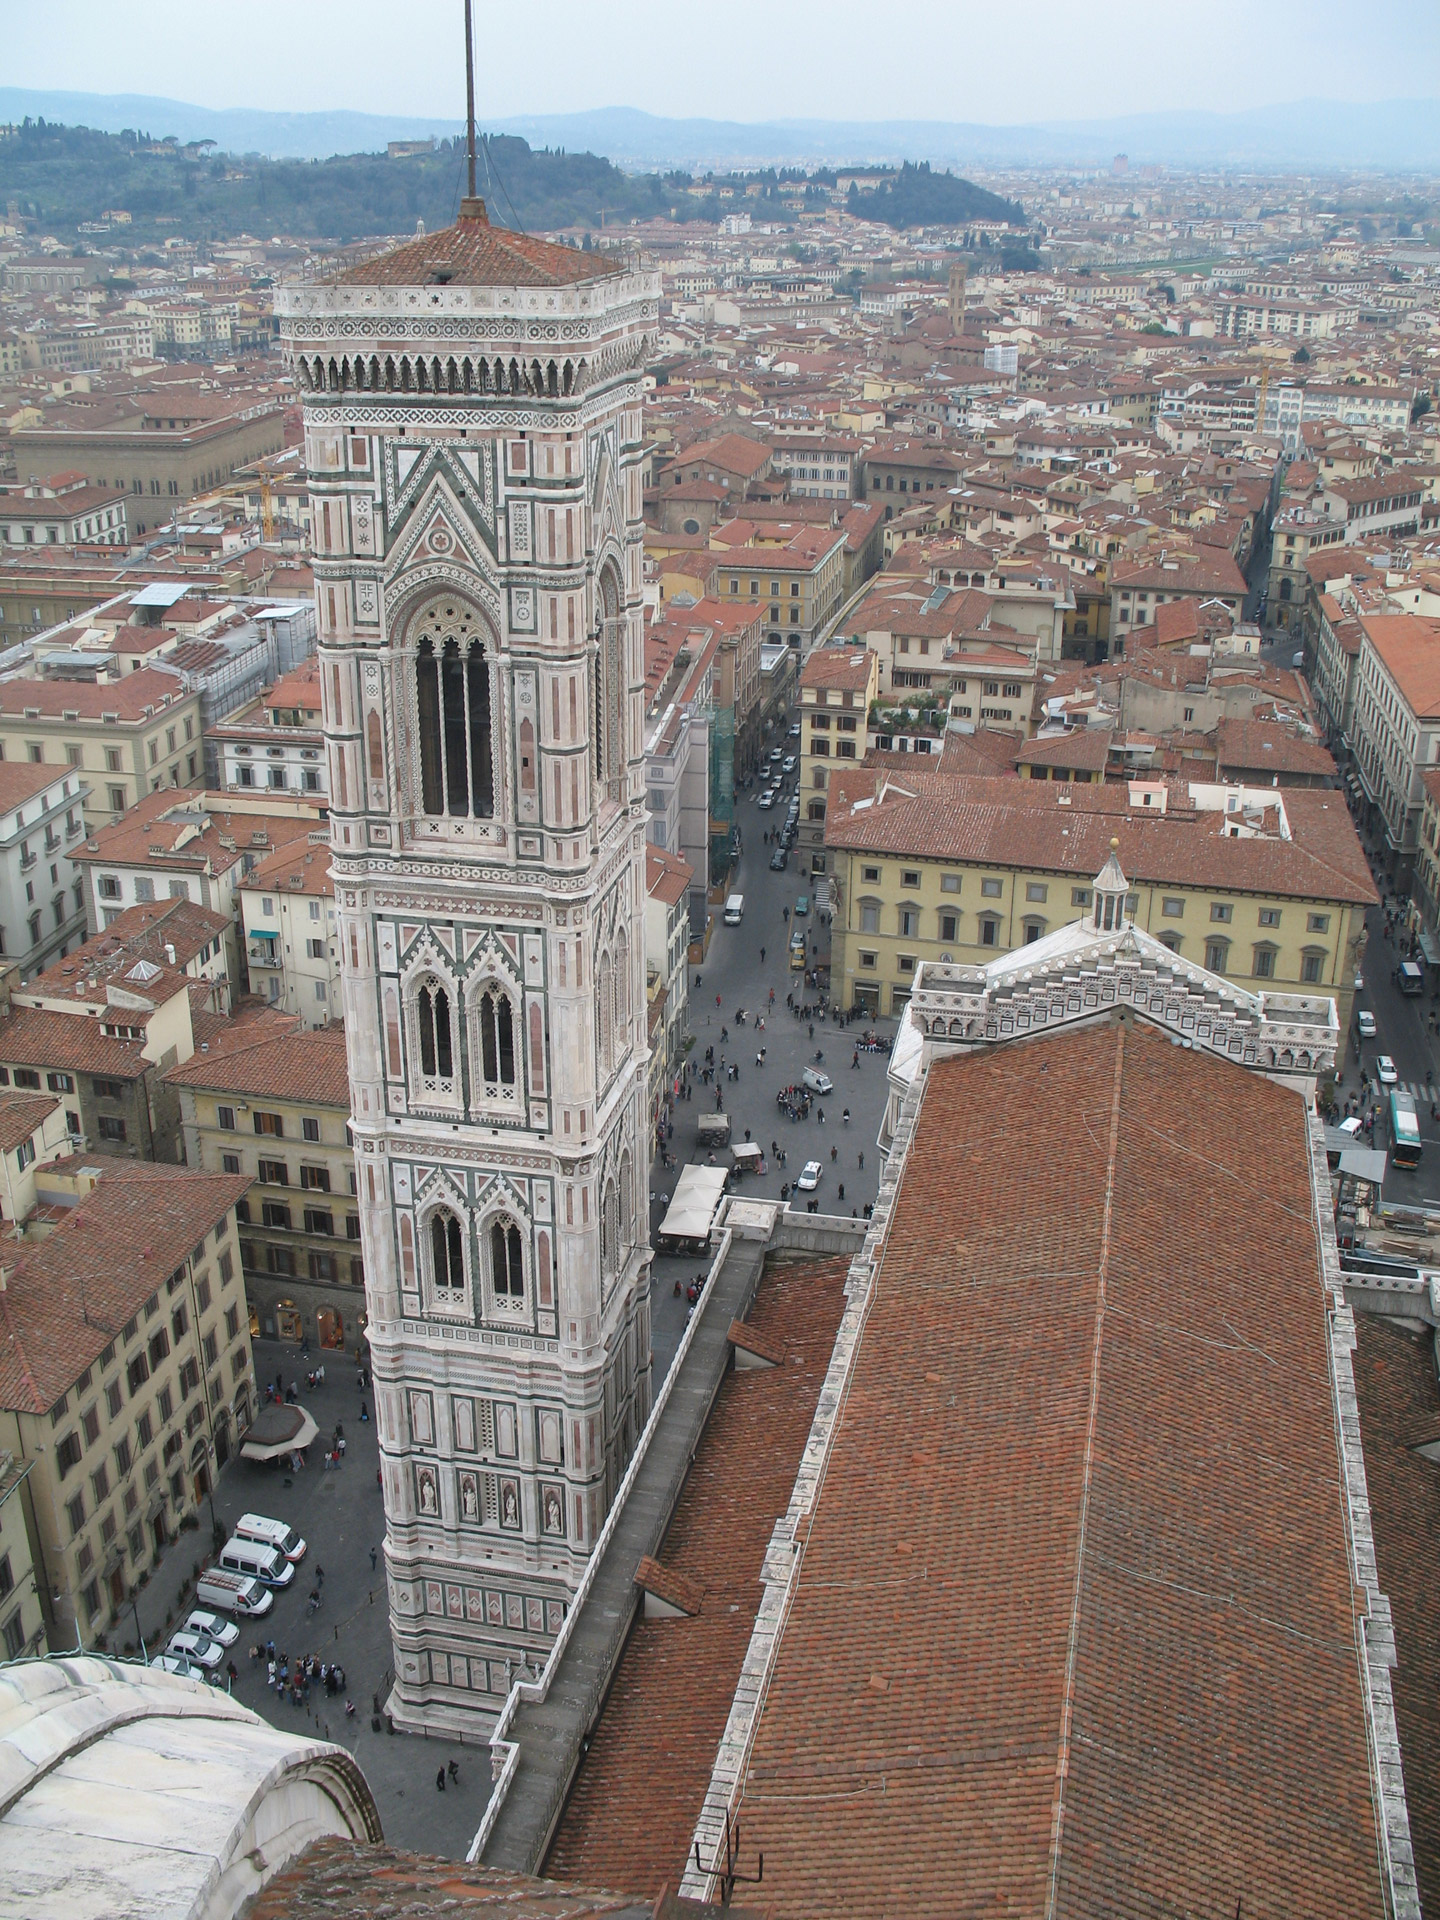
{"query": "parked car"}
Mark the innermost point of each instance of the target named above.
(794, 733)
(194, 1646)
(809, 1176)
(779, 860)
(211, 1626)
(178, 1663)
(787, 765)
(1365, 1020)
(1385, 1071)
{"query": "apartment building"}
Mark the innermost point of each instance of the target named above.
(1296, 534)
(1336, 666)
(276, 743)
(100, 1027)
(1384, 503)
(34, 1131)
(22, 1619)
(667, 945)
(126, 1375)
(124, 738)
(1396, 727)
(1137, 587)
(1425, 880)
(64, 511)
(1258, 884)
(837, 685)
(287, 913)
(818, 466)
(892, 472)
(159, 460)
(189, 845)
(42, 893)
(796, 578)
(274, 1107)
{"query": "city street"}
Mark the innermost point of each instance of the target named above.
(734, 971)
(1402, 1033)
(339, 1514)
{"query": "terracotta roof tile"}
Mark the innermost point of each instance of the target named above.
(472, 253)
(68, 1295)
(1074, 1629)
(288, 1065)
(334, 1879)
(635, 1801)
(1044, 824)
(1399, 1406)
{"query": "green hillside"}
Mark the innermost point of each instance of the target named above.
(65, 176)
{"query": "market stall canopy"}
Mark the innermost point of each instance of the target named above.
(276, 1431)
(697, 1196)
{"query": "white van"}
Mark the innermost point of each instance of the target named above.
(274, 1533)
(734, 909)
(816, 1081)
(257, 1562)
(233, 1593)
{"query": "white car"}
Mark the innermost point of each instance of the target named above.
(787, 765)
(767, 799)
(1350, 1124)
(1365, 1020)
(1385, 1071)
(177, 1663)
(794, 733)
(210, 1626)
(194, 1646)
(809, 1176)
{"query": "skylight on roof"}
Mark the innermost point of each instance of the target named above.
(144, 971)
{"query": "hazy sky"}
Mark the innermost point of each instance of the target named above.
(977, 60)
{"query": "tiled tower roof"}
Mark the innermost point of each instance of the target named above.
(473, 253)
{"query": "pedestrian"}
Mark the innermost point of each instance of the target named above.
(841, 1189)
(860, 1158)
(319, 1576)
(454, 1771)
(834, 1155)
(364, 1413)
(372, 1559)
(233, 1672)
(440, 1781)
(762, 956)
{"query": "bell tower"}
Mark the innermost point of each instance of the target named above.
(473, 439)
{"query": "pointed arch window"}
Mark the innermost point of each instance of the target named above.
(494, 1054)
(453, 715)
(447, 1251)
(507, 1260)
(436, 1044)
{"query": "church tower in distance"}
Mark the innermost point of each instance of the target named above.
(473, 441)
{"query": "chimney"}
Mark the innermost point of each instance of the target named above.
(169, 954)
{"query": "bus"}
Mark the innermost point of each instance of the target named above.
(1404, 1130)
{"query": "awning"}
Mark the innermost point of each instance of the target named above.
(276, 1431)
(697, 1197)
(1429, 948)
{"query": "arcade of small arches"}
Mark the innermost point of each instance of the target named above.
(549, 379)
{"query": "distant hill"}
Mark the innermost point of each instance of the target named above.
(919, 197)
(1401, 133)
(68, 176)
(65, 176)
